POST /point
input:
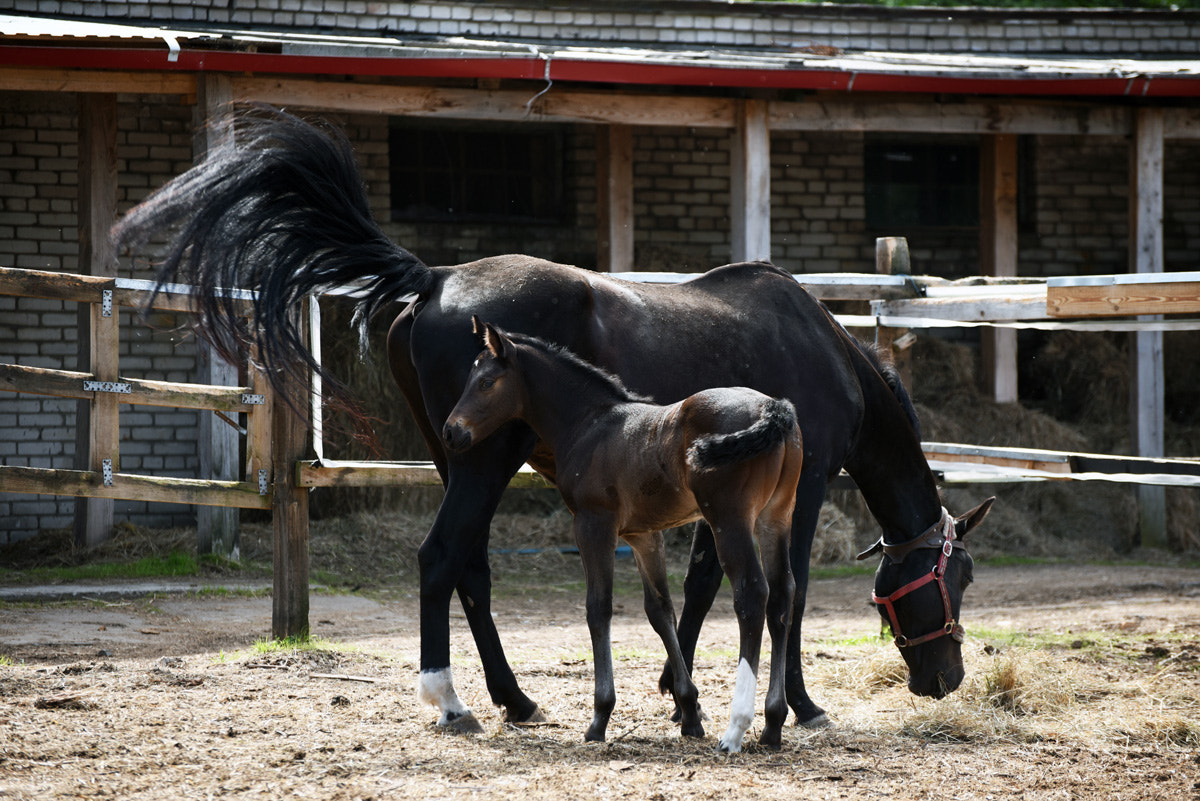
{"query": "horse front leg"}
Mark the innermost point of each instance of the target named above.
(461, 528)
(700, 586)
(652, 565)
(596, 539)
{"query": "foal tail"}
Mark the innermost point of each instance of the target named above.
(777, 421)
(281, 211)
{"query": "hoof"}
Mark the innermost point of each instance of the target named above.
(818, 721)
(696, 731)
(772, 741)
(535, 716)
(677, 715)
(461, 724)
(728, 748)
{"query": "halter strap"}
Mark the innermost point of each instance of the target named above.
(940, 536)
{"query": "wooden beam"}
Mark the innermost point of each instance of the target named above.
(750, 183)
(1146, 256)
(1122, 299)
(70, 384)
(998, 255)
(614, 198)
(97, 428)
(609, 108)
(326, 473)
(216, 528)
(53, 79)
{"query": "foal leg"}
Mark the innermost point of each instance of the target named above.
(735, 546)
(597, 539)
(652, 565)
(700, 586)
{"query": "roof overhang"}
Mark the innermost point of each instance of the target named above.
(31, 41)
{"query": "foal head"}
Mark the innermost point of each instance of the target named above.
(492, 396)
(918, 589)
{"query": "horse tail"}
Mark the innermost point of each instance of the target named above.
(280, 211)
(774, 425)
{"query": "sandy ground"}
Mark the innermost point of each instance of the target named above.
(162, 695)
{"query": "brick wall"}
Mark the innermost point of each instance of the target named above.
(700, 24)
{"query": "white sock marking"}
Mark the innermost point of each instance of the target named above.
(436, 688)
(741, 711)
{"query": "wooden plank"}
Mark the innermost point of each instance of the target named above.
(998, 255)
(1021, 458)
(127, 293)
(97, 429)
(1125, 299)
(327, 473)
(623, 108)
(259, 424)
(128, 486)
(750, 183)
(47, 79)
(69, 384)
(989, 308)
(862, 113)
(614, 198)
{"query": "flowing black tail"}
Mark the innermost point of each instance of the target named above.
(772, 427)
(282, 212)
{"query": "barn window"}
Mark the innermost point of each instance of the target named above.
(933, 182)
(476, 173)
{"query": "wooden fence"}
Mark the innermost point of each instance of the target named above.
(277, 475)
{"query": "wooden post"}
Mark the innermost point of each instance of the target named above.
(998, 255)
(750, 183)
(614, 198)
(217, 526)
(97, 429)
(289, 599)
(892, 258)
(1146, 256)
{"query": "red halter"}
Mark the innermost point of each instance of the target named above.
(940, 535)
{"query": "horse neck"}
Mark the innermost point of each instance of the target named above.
(560, 397)
(890, 468)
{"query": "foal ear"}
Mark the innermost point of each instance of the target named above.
(970, 520)
(494, 341)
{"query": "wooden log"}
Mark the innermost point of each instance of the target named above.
(130, 486)
(892, 258)
(998, 255)
(289, 599)
(70, 384)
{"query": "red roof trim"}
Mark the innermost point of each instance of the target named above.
(563, 69)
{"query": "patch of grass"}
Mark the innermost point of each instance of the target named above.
(292, 644)
(6, 661)
(176, 563)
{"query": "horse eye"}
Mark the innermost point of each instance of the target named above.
(487, 383)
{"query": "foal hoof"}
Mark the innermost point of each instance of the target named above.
(465, 723)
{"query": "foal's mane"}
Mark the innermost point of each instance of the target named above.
(577, 365)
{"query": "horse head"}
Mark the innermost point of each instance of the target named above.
(918, 590)
(490, 397)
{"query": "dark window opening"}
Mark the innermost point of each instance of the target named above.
(476, 173)
(926, 182)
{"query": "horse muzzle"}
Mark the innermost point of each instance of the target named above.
(938, 684)
(456, 437)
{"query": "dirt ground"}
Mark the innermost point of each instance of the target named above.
(1083, 682)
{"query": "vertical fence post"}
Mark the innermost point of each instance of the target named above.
(97, 430)
(216, 526)
(614, 198)
(892, 258)
(289, 600)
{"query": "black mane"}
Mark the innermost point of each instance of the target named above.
(576, 364)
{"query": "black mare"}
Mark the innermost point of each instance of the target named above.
(282, 211)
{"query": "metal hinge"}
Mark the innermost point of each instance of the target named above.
(253, 400)
(263, 486)
(106, 472)
(120, 387)
(106, 303)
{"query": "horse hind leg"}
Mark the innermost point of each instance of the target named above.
(700, 586)
(651, 558)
